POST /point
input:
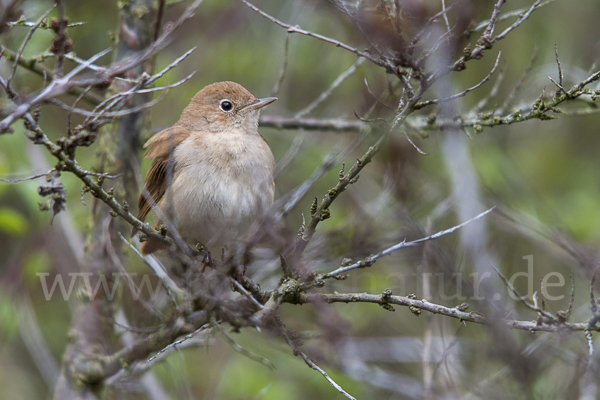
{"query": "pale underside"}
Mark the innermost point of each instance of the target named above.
(222, 183)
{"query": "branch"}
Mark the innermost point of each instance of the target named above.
(62, 85)
(311, 124)
(367, 262)
(485, 42)
(34, 65)
(298, 29)
(321, 212)
(44, 25)
(464, 92)
(323, 96)
(28, 178)
(509, 14)
(532, 326)
(522, 299)
(27, 39)
(311, 363)
(95, 188)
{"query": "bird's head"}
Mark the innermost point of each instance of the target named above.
(224, 106)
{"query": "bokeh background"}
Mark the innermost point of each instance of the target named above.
(543, 178)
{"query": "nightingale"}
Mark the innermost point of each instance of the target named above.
(212, 172)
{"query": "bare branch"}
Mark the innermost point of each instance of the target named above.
(533, 307)
(367, 262)
(323, 96)
(484, 42)
(27, 39)
(59, 86)
(311, 124)
(509, 14)
(322, 212)
(521, 19)
(312, 364)
(560, 71)
(109, 114)
(178, 342)
(28, 178)
(43, 25)
(168, 283)
(289, 201)
(489, 29)
(34, 65)
(283, 69)
(298, 29)
(510, 98)
(289, 155)
(532, 326)
(413, 144)
(239, 349)
(492, 94)
(464, 92)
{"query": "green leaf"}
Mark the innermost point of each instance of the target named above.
(34, 263)
(12, 222)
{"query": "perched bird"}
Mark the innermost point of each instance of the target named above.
(212, 172)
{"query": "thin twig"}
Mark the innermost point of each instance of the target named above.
(60, 86)
(289, 201)
(512, 95)
(113, 114)
(283, 69)
(445, 14)
(245, 293)
(312, 364)
(560, 71)
(452, 312)
(170, 286)
(489, 29)
(239, 349)
(413, 143)
(509, 14)
(324, 95)
(28, 178)
(178, 342)
(322, 212)
(130, 283)
(43, 25)
(289, 155)
(298, 29)
(27, 39)
(367, 262)
(521, 19)
(492, 94)
(311, 124)
(523, 299)
(464, 92)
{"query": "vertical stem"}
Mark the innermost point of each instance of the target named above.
(427, 337)
(61, 35)
(91, 331)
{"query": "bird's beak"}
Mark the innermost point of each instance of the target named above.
(258, 104)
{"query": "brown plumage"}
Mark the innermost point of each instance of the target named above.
(212, 172)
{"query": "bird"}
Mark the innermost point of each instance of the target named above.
(211, 175)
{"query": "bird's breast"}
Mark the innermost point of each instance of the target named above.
(222, 183)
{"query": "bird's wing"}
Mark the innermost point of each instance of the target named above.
(162, 146)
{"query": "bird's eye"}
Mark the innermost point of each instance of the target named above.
(226, 105)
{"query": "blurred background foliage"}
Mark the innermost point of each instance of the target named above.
(544, 178)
